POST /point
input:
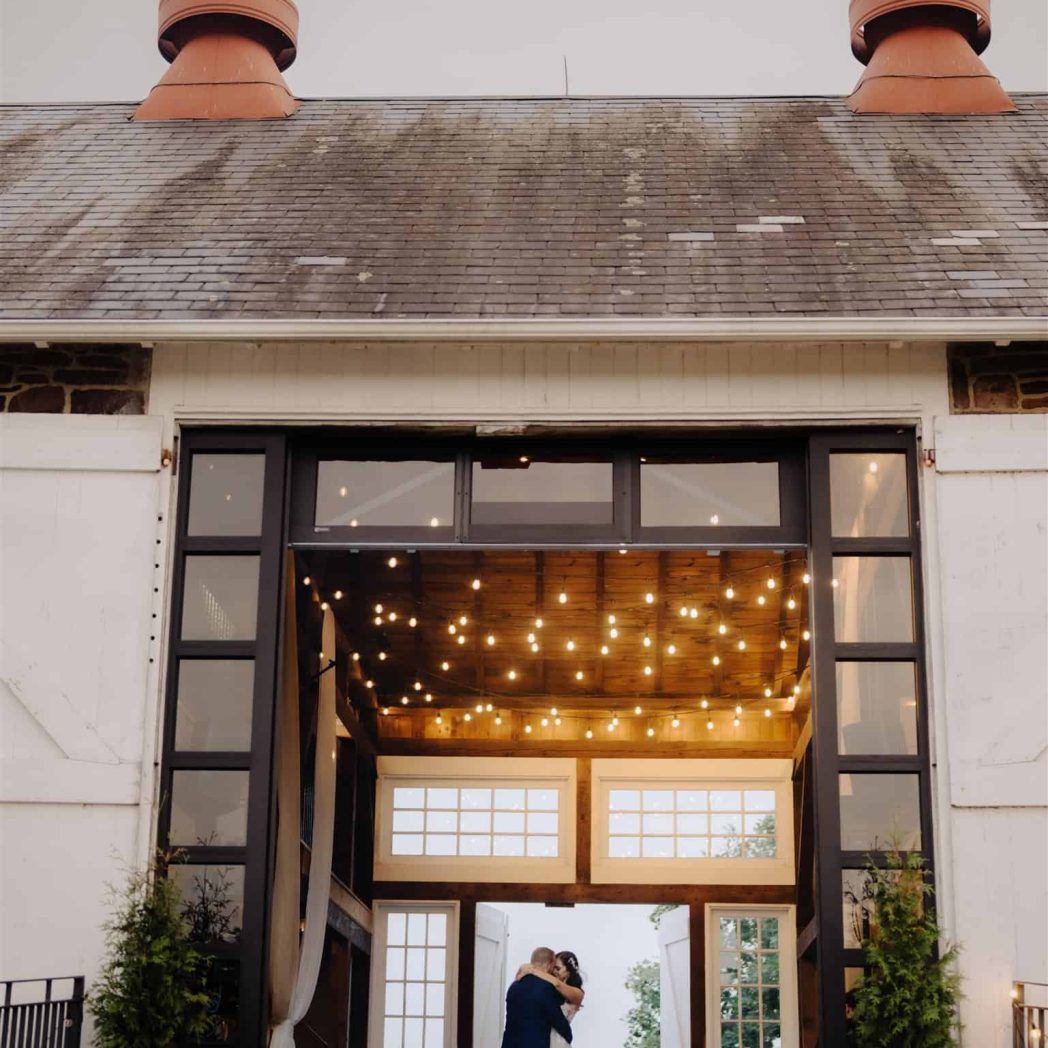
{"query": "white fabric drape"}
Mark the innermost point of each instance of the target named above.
(318, 891)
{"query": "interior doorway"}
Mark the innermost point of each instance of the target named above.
(633, 958)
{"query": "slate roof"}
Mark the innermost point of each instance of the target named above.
(525, 207)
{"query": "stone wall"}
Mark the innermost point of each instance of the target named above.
(988, 378)
(75, 379)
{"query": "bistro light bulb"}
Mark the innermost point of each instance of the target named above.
(791, 604)
(527, 729)
(544, 722)
(538, 624)
(767, 712)
(729, 592)
(306, 581)
(338, 594)
(705, 704)
(491, 640)
(378, 620)
(613, 632)
(445, 666)
(796, 689)
(553, 711)
(604, 649)
(715, 519)
(738, 711)
(531, 638)
(782, 644)
(683, 613)
(834, 583)
(589, 732)
(392, 616)
(475, 584)
(873, 467)
(806, 635)
(615, 721)
(417, 685)
(468, 717)
(735, 723)
(761, 600)
(647, 671)
(429, 696)
(767, 693)
(498, 720)
(806, 578)
(463, 620)
(379, 609)
(403, 700)
(611, 725)
(512, 674)
(579, 675)
(354, 522)
(369, 683)
(524, 460)
(570, 645)
(434, 522)
(722, 629)
(392, 562)
(742, 645)
(693, 613)
(611, 620)
(324, 605)
(649, 598)
(452, 628)
(716, 660)
(651, 732)
(385, 711)
(461, 639)
(356, 656)
(562, 597)
(412, 622)
(637, 710)
(771, 584)
(534, 647)
(709, 725)
(675, 722)
(439, 719)
(382, 656)
(647, 642)
(671, 649)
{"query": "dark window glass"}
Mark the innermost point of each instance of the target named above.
(225, 494)
(214, 704)
(522, 490)
(879, 811)
(212, 900)
(209, 808)
(877, 707)
(868, 495)
(223, 988)
(221, 598)
(389, 494)
(873, 599)
(705, 494)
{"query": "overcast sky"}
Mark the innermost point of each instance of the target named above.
(61, 50)
(607, 940)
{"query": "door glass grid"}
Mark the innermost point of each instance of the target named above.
(750, 982)
(691, 823)
(415, 984)
(477, 821)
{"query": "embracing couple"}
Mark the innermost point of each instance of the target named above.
(543, 1000)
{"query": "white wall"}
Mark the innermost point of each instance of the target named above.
(991, 490)
(79, 508)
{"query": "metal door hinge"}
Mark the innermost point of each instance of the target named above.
(928, 457)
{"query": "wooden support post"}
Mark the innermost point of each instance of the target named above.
(466, 973)
(584, 819)
(697, 948)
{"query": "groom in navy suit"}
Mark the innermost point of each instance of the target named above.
(533, 1008)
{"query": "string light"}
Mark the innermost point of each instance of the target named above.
(538, 624)
(463, 620)
(392, 562)
(570, 645)
(589, 731)
(783, 644)
(693, 613)
(647, 641)
(613, 633)
(806, 578)
(791, 604)
(382, 656)
(531, 638)
(369, 684)
(445, 666)
(385, 711)
(637, 710)
(579, 675)
(873, 467)
(338, 594)
(461, 638)
(716, 660)
(306, 581)
(806, 635)
(742, 645)
(651, 732)
(729, 593)
(324, 605)
(722, 629)
(429, 696)
(527, 729)
(439, 719)
(535, 648)
(480, 707)
(715, 519)
(709, 724)
(452, 628)
(468, 717)
(604, 649)
(683, 612)
(705, 704)
(771, 584)
(379, 609)
(647, 671)
(354, 522)
(738, 711)
(475, 584)
(611, 620)
(767, 693)
(356, 656)
(403, 700)
(544, 722)
(649, 598)
(562, 597)
(378, 620)
(556, 721)
(417, 685)
(412, 622)
(512, 674)
(675, 722)
(611, 725)
(767, 712)
(491, 640)
(671, 649)
(761, 601)
(434, 522)
(392, 616)
(553, 711)
(735, 723)
(498, 721)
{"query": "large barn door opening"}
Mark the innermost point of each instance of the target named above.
(489, 981)
(675, 978)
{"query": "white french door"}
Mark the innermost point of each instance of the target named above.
(751, 977)
(414, 960)
(489, 978)
(675, 978)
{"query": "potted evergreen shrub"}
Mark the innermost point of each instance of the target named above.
(152, 989)
(910, 991)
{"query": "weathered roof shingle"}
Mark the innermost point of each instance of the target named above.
(557, 207)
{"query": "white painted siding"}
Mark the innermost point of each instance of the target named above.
(79, 526)
(992, 551)
(550, 382)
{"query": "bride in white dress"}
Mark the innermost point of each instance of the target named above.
(567, 981)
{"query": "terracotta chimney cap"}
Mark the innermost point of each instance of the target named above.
(922, 56)
(226, 59)
(280, 15)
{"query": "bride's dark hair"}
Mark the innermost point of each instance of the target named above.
(571, 963)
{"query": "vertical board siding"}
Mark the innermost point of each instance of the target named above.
(557, 381)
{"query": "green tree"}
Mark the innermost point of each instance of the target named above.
(909, 995)
(663, 908)
(151, 991)
(642, 1020)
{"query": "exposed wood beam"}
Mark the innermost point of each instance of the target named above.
(583, 819)
(579, 748)
(807, 936)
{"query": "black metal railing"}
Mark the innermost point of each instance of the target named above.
(1029, 1010)
(42, 1013)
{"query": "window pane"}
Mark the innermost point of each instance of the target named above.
(220, 598)
(701, 494)
(225, 494)
(212, 900)
(209, 808)
(391, 494)
(872, 599)
(868, 495)
(223, 990)
(878, 811)
(858, 907)
(214, 704)
(877, 707)
(511, 491)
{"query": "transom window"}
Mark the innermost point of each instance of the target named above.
(476, 819)
(691, 824)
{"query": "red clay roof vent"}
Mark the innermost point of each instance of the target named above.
(923, 57)
(227, 56)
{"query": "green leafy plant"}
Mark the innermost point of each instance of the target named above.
(909, 994)
(151, 991)
(643, 1019)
